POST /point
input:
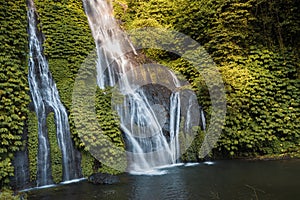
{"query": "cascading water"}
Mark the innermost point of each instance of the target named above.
(175, 121)
(147, 142)
(203, 120)
(46, 99)
(175, 125)
(21, 176)
(105, 29)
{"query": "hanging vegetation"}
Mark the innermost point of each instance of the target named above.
(255, 45)
(14, 98)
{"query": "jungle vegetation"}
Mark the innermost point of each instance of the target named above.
(254, 43)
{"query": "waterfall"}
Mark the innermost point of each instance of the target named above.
(142, 119)
(175, 121)
(46, 99)
(175, 125)
(203, 120)
(21, 177)
(111, 60)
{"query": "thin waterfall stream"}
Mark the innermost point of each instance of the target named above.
(46, 99)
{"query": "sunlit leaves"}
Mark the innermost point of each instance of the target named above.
(14, 97)
(251, 43)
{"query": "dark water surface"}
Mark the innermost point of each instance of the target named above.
(220, 180)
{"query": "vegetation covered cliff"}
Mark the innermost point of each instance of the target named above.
(256, 48)
(254, 43)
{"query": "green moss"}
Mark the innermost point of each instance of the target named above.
(107, 117)
(7, 194)
(260, 73)
(68, 42)
(87, 163)
(32, 144)
(253, 52)
(190, 145)
(56, 156)
(14, 98)
(109, 170)
(110, 124)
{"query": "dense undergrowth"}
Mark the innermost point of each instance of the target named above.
(255, 45)
(14, 98)
(256, 49)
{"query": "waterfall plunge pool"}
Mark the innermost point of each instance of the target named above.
(234, 179)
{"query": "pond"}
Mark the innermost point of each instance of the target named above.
(234, 179)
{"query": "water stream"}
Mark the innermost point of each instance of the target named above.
(46, 99)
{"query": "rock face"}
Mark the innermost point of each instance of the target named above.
(103, 178)
(159, 99)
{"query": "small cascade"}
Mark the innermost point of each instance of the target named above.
(202, 118)
(46, 99)
(188, 116)
(110, 46)
(21, 177)
(175, 106)
(144, 133)
(174, 126)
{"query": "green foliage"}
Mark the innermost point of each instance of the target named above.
(56, 156)
(263, 108)
(277, 23)
(7, 169)
(109, 170)
(97, 125)
(109, 122)
(7, 194)
(87, 163)
(13, 82)
(107, 117)
(255, 46)
(230, 30)
(194, 18)
(254, 43)
(67, 43)
(191, 153)
(32, 144)
(152, 12)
